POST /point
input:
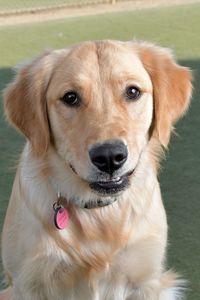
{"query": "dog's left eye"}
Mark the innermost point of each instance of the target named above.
(71, 99)
(133, 92)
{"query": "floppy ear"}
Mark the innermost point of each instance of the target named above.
(25, 103)
(172, 88)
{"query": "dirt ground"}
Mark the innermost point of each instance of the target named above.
(87, 10)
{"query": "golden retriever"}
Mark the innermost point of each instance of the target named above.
(86, 220)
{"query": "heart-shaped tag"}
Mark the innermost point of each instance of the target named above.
(61, 216)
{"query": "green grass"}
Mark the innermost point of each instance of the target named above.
(175, 27)
(12, 5)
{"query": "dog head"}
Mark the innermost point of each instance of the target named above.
(98, 104)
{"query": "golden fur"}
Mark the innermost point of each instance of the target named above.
(116, 252)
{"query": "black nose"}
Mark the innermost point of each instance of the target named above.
(109, 157)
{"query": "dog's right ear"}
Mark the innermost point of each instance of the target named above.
(25, 102)
(172, 88)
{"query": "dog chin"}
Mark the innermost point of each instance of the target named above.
(97, 199)
(105, 191)
(101, 202)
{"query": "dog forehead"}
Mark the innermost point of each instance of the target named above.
(79, 62)
(122, 60)
(112, 58)
(98, 64)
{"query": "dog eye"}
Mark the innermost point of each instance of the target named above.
(133, 93)
(71, 99)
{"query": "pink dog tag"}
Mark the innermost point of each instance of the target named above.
(61, 216)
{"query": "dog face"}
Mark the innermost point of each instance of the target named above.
(100, 109)
(100, 100)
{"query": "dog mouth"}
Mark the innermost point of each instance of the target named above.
(112, 186)
(104, 188)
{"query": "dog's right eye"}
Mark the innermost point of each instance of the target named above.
(133, 92)
(71, 99)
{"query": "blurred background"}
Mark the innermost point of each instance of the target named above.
(29, 27)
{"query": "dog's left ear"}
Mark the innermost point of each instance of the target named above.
(172, 88)
(25, 102)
